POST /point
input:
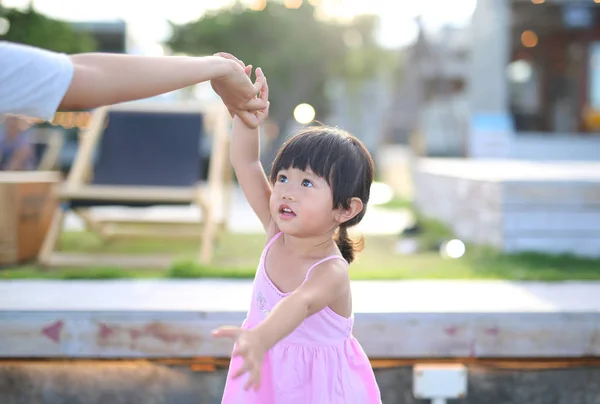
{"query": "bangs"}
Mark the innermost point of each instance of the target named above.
(313, 151)
(334, 155)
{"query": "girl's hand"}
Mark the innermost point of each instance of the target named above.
(261, 115)
(250, 349)
(255, 119)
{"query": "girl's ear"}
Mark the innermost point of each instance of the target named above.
(355, 207)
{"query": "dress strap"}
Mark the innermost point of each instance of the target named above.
(331, 257)
(269, 244)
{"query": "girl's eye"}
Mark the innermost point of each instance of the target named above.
(282, 178)
(307, 183)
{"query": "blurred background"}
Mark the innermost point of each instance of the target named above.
(483, 118)
(349, 61)
(411, 73)
(513, 80)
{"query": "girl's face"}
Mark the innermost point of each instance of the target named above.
(302, 203)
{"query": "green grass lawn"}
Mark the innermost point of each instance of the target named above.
(237, 256)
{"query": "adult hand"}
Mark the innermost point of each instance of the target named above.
(237, 90)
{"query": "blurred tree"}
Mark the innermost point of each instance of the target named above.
(298, 52)
(32, 28)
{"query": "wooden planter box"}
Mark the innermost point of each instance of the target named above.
(26, 206)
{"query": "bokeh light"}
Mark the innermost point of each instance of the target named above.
(292, 3)
(304, 113)
(453, 249)
(381, 193)
(529, 39)
(258, 5)
(4, 26)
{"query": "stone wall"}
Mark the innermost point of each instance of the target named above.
(548, 207)
(150, 383)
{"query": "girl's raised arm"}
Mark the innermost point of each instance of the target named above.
(245, 158)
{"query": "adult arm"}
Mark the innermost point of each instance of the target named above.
(36, 82)
(104, 79)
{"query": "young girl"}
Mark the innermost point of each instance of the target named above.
(296, 343)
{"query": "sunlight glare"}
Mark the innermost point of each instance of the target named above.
(147, 21)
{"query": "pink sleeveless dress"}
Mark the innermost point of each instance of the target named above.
(320, 362)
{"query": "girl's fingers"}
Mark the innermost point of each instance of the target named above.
(258, 380)
(240, 371)
(228, 332)
(262, 115)
(249, 118)
(255, 104)
(253, 380)
(260, 81)
(264, 92)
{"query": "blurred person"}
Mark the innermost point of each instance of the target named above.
(38, 83)
(16, 152)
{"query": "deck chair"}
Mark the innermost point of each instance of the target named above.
(47, 144)
(141, 155)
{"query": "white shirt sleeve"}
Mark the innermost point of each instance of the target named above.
(33, 81)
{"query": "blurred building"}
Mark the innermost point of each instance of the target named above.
(554, 66)
(429, 105)
(523, 81)
(539, 62)
(532, 93)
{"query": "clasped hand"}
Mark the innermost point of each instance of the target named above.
(239, 94)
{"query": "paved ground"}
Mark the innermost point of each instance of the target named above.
(369, 296)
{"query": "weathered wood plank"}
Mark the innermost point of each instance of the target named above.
(390, 335)
(129, 194)
(394, 319)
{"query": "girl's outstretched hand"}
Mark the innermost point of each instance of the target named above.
(250, 349)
